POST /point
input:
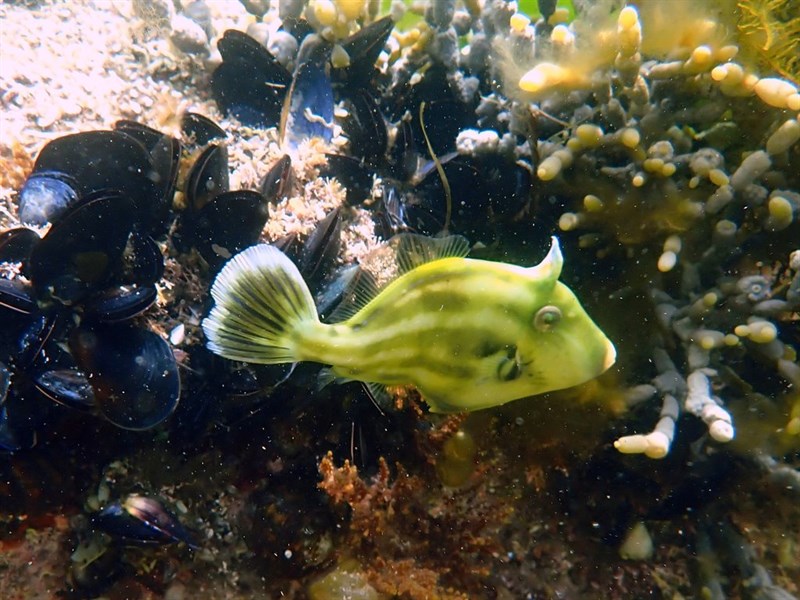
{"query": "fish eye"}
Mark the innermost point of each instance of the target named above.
(546, 318)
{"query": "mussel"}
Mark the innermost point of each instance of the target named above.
(45, 196)
(132, 372)
(250, 84)
(141, 520)
(79, 252)
(308, 108)
(17, 244)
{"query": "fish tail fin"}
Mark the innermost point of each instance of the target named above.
(261, 302)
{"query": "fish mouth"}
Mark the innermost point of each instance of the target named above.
(610, 356)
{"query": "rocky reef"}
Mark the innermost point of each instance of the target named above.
(659, 140)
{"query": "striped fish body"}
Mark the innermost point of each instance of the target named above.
(469, 334)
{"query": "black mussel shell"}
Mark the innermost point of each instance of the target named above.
(142, 520)
(17, 244)
(228, 224)
(289, 244)
(403, 154)
(199, 130)
(5, 382)
(278, 180)
(365, 127)
(33, 338)
(147, 136)
(132, 372)
(17, 312)
(308, 108)
(208, 176)
(16, 296)
(120, 304)
(67, 387)
(446, 111)
(389, 214)
(165, 153)
(510, 187)
(333, 292)
(143, 263)
(250, 84)
(364, 47)
(321, 249)
(100, 160)
(79, 252)
(8, 438)
(299, 29)
(45, 196)
(353, 174)
(426, 205)
(94, 565)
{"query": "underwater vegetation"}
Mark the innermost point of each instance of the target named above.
(169, 296)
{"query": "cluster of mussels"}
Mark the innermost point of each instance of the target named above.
(473, 121)
(68, 297)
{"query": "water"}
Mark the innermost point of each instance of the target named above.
(667, 169)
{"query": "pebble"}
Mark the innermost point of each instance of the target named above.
(188, 36)
(51, 113)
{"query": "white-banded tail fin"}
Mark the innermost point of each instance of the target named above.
(260, 301)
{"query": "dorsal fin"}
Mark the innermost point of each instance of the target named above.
(401, 254)
(361, 289)
(412, 250)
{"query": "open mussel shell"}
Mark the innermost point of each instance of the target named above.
(45, 196)
(102, 160)
(17, 244)
(278, 180)
(308, 109)
(140, 520)
(318, 254)
(250, 84)
(228, 224)
(132, 372)
(208, 176)
(120, 303)
(79, 252)
(365, 127)
(199, 130)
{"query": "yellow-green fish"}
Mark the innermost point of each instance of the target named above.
(469, 334)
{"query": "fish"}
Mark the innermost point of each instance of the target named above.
(469, 334)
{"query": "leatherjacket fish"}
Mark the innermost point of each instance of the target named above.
(467, 333)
